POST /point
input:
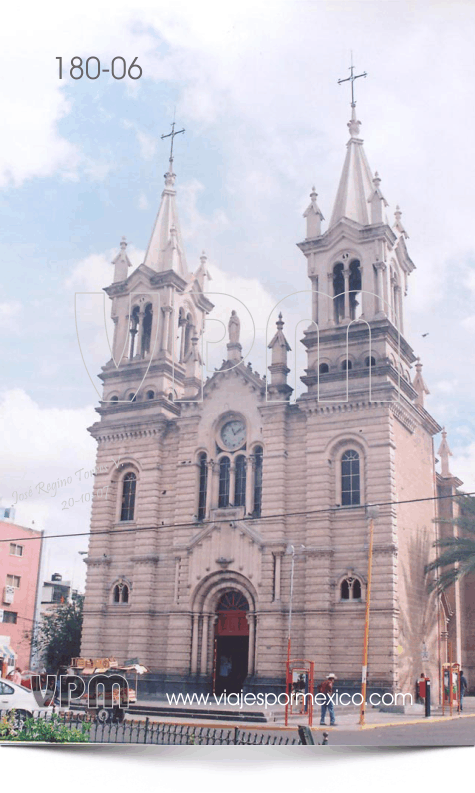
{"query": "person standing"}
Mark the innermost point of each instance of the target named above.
(463, 687)
(326, 687)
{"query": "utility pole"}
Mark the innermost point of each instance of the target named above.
(371, 513)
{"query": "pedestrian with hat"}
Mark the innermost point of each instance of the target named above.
(326, 687)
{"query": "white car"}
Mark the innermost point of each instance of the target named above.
(19, 699)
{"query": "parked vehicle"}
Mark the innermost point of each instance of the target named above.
(20, 699)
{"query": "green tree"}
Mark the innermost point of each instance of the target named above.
(59, 635)
(456, 557)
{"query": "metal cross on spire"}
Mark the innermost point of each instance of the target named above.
(352, 79)
(172, 136)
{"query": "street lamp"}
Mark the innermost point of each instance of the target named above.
(372, 512)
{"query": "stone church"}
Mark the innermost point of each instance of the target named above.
(218, 489)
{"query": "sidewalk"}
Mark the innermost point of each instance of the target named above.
(346, 718)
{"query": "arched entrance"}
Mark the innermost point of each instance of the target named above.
(231, 643)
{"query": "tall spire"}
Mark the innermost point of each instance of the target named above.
(165, 250)
(356, 182)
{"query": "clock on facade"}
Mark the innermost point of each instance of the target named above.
(233, 434)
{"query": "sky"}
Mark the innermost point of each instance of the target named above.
(255, 86)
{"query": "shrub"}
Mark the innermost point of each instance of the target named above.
(50, 730)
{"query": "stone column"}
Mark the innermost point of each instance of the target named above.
(399, 309)
(164, 330)
(194, 643)
(380, 268)
(170, 331)
(251, 620)
(368, 298)
(138, 340)
(204, 644)
(329, 303)
(121, 334)
(214, 479)
(232, 480)
(155, 330)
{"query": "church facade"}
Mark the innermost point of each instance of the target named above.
(231, 505)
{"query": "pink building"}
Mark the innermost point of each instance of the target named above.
(20, 556)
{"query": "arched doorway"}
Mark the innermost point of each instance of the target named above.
(231, 643)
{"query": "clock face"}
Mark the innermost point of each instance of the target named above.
(233, 434)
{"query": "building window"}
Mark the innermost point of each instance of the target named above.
(16, 550)
(10, 616)
(224, 471)
(345, 365)
(370, 361)
(146, 329)
(350, 478)
(350, 589)
(338, 292)
(323, 368)
(258, 459)
(132, 397)
(240, 482)
(13, 580)
(150, 394)
(120, 593)
(202, 485)
(129, 486)
(355, 289)
(114, 399)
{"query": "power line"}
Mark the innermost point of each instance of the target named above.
(304, 513)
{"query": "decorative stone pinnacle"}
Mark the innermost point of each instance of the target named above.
(123, 243)
(354, 125)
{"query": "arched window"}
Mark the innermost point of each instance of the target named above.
(132, 397)
(355, 289)
(147, 329)
(338, 292)
(323, 368)
(129, 486)
(114, 399)
(202, 485)
(350, 478)
(120, 593)
(224, 470)
(258, 455)
(346, 365)
(150, 394)
(350, 588)
(370, 361)
(240, 482)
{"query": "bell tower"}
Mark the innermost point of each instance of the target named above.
(156, 311)
(358, 269)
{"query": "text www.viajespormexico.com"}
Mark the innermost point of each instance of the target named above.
(270, 700)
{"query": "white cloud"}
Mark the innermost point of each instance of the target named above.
(468, 323)
(9, 315)
(48, 445)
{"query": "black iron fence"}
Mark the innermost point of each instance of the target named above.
(147, 731)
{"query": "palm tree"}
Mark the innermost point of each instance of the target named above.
(456, 553)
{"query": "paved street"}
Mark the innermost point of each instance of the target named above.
(454, 732)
